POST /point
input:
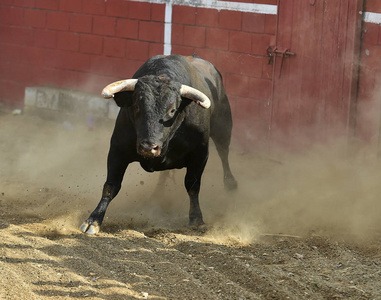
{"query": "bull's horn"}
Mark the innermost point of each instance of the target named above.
(127, 85)
(195, 95)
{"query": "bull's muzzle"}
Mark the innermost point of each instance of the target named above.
(148, 149)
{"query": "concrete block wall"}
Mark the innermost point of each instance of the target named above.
(74, 44)
(86, 44)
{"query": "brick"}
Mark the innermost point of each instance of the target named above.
(118, 67)
(209, 55)
(251, 125)
(44, 76)
(183, 50)
(217, 38)
(70, 79)
(158, 12)
(18, 72)
(373, 6)
(45, 38)
(251, 65)
(260, 42)
(207, 17)
(104, 25)
(139, 10)
(230, 19)
(228, 62)
(271, 2)
(240, 41)
(253, 22)
(12, 93)
(17, 35)
(137, 50)
(177, 37)
(270, 24)
(194, 36)
(370, 33)
(81, 23)
(66, 60)
(114, 47)
(71, 5)
(24, 3)
(57, 20)
(10, 53)
(127, 28)
(155, 49)
(47, 4)
(91, 44)
(11, 15)
(260, 88)
(7, 2)
(94, 7)
(35, 18)
(95, 82)
(237, 85)
(183, 15)
(32, 55)
(117, 8)
(151, 31)
(68, 41)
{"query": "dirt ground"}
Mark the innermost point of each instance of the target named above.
(299, 227)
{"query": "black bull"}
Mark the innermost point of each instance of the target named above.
(168, 111)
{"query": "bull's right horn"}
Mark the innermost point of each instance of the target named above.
(197, 96)
(127, 85)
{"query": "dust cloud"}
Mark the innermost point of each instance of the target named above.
(55, 173)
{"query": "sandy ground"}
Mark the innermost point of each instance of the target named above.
(299, 227)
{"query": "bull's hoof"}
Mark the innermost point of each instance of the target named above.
(90, 227)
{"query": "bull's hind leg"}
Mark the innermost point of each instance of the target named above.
(116, 168)
(221, 135)
(229, 181)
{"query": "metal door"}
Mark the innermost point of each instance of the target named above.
(315, 71)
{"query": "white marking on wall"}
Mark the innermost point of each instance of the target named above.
(370, 17)
(221, 5)
(168, 29)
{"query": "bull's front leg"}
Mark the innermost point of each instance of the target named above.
(93, 223)
(116, 167)
(193, 184)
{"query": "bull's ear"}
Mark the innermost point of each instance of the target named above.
(123, 99)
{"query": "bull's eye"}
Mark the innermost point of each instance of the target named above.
(169, 115)
(136, 108)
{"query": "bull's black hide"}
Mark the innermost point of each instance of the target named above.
(162, 127)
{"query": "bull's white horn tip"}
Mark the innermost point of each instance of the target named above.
(106, 94)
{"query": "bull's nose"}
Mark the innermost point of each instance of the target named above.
(149, 149)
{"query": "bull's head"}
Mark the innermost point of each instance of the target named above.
(154, 105)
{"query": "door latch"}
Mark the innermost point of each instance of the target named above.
(273, 52)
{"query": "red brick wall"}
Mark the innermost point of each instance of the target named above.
(85, 44)
(78, 44)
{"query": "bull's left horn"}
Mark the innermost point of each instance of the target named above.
(195, 95)
(127, 85)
